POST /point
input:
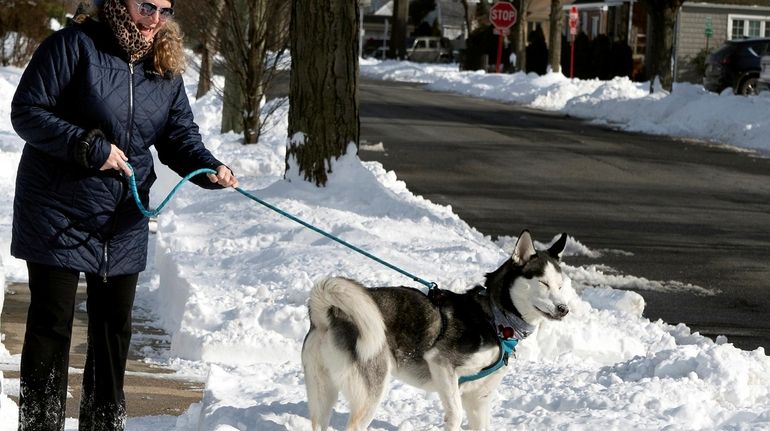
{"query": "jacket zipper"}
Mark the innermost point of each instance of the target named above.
(105, 256)
(127, 146)
(130, 107)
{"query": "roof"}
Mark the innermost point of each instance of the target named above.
(386, 9)
(452, 12)
(715, 2)
(733, 2)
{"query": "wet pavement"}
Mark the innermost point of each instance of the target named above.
(150, 390)
(692, 215)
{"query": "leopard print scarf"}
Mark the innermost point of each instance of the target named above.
(129, 38)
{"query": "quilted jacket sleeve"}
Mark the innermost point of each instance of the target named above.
(182, 150)
(37, 98)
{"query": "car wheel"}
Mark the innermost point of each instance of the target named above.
(748, 86)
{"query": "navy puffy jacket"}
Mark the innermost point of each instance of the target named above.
(68, 213)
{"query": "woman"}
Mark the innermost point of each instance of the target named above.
(95, 96)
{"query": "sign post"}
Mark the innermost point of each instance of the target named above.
(502, 15)
(573, 25)
(708, 31)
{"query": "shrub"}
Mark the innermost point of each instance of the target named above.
(698, 62)
(23, 25)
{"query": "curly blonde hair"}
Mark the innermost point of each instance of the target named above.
(168, 50)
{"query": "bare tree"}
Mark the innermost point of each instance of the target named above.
(323, 87)
(468, 16)
(397, 45)
(660, 35)
(247, 33)
(556, 18)
(208, 48)
(244, 44)
(519, 34)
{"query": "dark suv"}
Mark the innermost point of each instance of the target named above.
(735, 65)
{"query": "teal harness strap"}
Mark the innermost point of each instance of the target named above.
(507, 346)
(151, 213)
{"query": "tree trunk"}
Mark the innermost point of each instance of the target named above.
(520, 35)
(233, 41)
(468, 18)
(208, 48)
(556, 18)
(323, 86)
(482, 9)
(232, 100)
(206, 72)
(254, 79)
(397, 48)
(662, 20)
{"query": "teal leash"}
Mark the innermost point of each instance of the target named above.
(152, 213)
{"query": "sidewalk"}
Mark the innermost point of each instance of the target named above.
(150, 390)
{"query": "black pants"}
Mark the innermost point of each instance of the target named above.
(45, 355)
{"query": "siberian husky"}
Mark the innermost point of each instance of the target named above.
(360, 336)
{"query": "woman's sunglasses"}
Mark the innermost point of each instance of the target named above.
(148, 9)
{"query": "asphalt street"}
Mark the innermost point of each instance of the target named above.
(681, 212)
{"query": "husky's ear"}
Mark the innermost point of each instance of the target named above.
(558, 247)
(524, 249)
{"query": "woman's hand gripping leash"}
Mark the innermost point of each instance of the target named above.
(118, 161)
(224, 177)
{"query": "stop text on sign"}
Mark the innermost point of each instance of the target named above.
(502, 14)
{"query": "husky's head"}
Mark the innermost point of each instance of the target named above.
(529, 284)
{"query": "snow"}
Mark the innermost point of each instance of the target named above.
(228, 278)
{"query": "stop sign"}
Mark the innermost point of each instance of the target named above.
(502, 14)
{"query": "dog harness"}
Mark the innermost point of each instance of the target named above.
(507, 347)
(510, 329)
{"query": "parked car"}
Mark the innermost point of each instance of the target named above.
(428, 49)
(736, 65)
(764, 73)
(380, 53)
(375, 48)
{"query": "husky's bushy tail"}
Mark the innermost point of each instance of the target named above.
(353, 300)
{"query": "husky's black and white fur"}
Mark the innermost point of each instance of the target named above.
(359, 337)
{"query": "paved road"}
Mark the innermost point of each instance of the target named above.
(687, 211)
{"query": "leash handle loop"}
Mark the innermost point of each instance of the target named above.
(152, 213)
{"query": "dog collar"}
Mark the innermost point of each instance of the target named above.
(507, 347)
(509, 325)
(510, 329)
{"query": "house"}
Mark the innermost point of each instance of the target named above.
(449, 18)
(375, 28)
(706, 24)
(619, 20)
(702, 25)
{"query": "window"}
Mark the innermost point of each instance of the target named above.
(738, 29)
(754, 27)
(743, 26)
